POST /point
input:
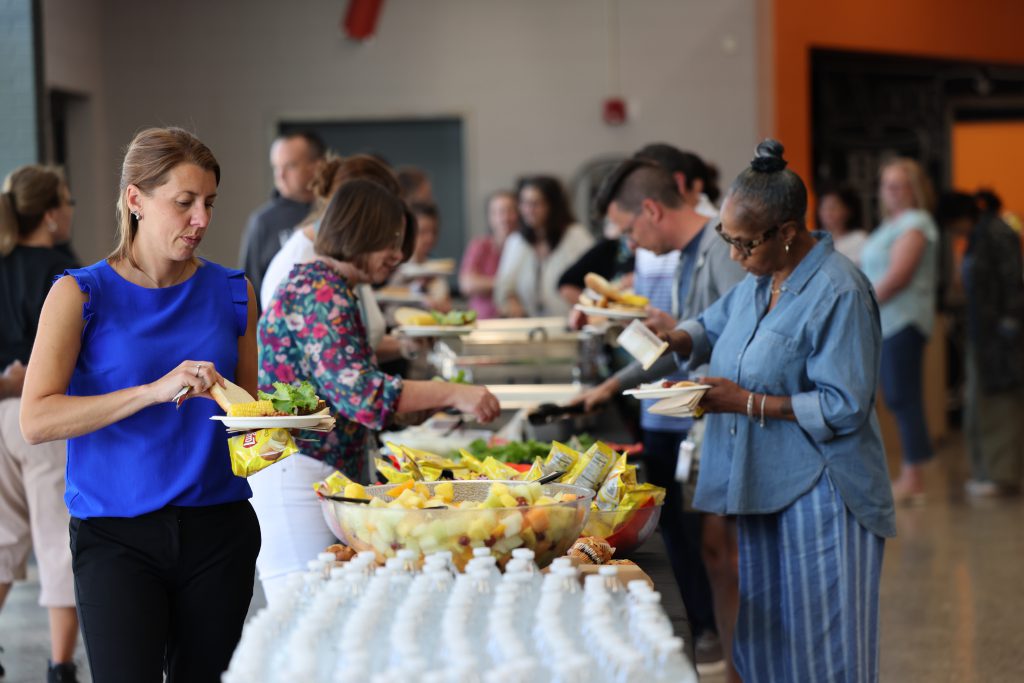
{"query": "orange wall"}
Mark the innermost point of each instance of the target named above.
(988, 155)
(977, 30)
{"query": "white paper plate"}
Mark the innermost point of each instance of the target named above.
(439, 268)
(279, 422)
(654, 391)
(670, 412)
(517, 396)
(394, 296)
(616, 313)
(434, 330)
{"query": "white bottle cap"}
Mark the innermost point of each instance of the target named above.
(338, 572)
(608, 570)
(406, 554)
(638, 586)
(523, 554)
(316, 565)
(561, 562)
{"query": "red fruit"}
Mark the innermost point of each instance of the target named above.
(463, 540)
(522, 501)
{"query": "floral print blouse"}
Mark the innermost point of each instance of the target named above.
(313, 330)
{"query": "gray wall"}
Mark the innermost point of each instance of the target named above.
(527, 77)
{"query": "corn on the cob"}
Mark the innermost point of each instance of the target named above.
(252, 409)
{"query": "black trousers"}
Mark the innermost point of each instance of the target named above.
(164, 592)
(680, 530)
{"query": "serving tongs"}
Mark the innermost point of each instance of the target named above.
(546, 413)
(346, 499)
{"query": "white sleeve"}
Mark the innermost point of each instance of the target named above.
(505, 278)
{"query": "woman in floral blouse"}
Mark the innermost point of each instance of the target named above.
(313, 331)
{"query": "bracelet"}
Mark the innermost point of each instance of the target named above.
(750, 406)
(764, 397)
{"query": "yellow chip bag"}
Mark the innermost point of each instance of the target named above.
(495, 469)
(637, 497)
(592, 466)
(406, 462)
(470, 461)
(614, 487)
(561, 458)
(253, 451)
(536, 470)
(388, 471)
(332, 485)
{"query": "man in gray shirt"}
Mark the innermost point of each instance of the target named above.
(644, 199)
(294, 158)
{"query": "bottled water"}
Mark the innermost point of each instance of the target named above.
(356, 622)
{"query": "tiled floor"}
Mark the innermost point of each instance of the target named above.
(952, 596)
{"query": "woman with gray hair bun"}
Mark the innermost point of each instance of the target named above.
(792, 446)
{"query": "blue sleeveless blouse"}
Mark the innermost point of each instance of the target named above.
(133, 335)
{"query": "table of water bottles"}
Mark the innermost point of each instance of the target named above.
(356, 623)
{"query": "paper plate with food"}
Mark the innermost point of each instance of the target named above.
(413, 322)
(668, 389)
(441, 267)
(289, 407)
(398, 295)
(603, 299)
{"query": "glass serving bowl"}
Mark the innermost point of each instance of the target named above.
(624, 529)
(548, 530)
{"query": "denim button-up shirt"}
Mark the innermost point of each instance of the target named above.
(819, 345)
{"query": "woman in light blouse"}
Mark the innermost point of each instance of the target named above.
(792, 446)
(901, 260)
(535, 257)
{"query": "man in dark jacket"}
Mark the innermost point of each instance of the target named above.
(294, 158)
(994, 394)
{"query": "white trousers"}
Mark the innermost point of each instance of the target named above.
(291, 522)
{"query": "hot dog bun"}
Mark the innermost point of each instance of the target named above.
(601, 286)
(228, 394)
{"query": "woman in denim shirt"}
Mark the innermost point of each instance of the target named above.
(792, 446)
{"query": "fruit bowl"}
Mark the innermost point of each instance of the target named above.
(625, 530)
(548, 530)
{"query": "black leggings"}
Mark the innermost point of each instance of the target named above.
(164, 592)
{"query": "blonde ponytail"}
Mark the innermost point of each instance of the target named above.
(28, 193)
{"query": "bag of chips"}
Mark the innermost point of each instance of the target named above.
(592, 467)
(254, 451)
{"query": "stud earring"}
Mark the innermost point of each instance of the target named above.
(787, 247)
(52, 226)
(136, 216)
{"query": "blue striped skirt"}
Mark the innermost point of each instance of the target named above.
(809, 580)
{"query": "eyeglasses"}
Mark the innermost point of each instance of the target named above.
(627, 230)
(746, 247)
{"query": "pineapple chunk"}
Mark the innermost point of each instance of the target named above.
(354, 490)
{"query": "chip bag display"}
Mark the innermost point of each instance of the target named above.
(254, 451)
(591, 467)
(392, 474)
(333, 485)
(561, 458)
(614, 487)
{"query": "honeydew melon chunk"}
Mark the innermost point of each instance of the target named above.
(506, 545)
(513, 523)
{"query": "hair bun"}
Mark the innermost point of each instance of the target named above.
(768, 157)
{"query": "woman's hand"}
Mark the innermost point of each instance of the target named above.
(724, 396)
(198, 375)
(678, 342)
(12, 380)
(476, 401)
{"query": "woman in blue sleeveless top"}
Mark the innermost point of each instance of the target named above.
(163, 538)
